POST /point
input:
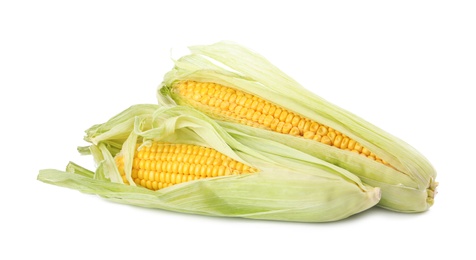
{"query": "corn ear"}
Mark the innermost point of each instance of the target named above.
(406, 177)
(287, 184)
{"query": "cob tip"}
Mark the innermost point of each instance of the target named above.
(432, 191)
(376, 194)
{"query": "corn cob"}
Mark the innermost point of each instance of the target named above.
(277, 183)
(246, 94)
(160, 165)
(226, 103)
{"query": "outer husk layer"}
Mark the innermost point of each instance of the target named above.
(290, 185)
(408, 187)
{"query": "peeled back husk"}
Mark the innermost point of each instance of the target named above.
(407, 186)
(289, 185)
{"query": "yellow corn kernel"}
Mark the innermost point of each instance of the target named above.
(344, 143)
(309, 135)
(287, 128)
(326, 140)
(296, 120)
(337, 141)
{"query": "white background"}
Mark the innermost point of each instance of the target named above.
(406, 66)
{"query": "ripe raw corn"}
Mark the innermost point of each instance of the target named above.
(246, 94)
(160, 165)
(178, 159)
(233, 105)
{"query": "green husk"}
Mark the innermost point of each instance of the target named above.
(409, 187)
(290, 185)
